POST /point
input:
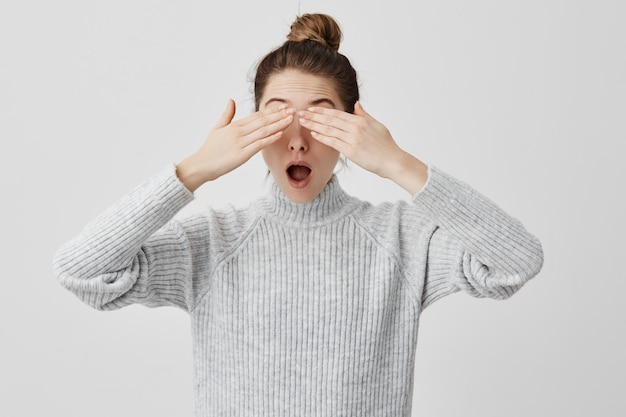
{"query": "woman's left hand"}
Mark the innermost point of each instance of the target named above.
(367, 143)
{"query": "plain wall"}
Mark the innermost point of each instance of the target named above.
(524, 100)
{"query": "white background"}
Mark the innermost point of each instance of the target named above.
(525, 100)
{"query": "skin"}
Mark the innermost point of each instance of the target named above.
(301, 118)
(300, 91)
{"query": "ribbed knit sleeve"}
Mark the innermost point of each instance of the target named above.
(131, 254)
(475, 246)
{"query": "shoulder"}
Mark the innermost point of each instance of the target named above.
(390, 223)
(388, 214)
(222, 228)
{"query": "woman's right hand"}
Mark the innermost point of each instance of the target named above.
(230, 144)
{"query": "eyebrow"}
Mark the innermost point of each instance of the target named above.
(316, 102)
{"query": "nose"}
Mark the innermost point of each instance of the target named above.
(298, 141)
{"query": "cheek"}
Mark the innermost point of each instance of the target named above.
(330, 154)
(330, 158)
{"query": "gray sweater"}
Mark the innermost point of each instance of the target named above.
(300, 309)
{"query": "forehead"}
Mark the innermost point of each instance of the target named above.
(298, 88)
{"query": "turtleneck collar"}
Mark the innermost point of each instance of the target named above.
(331, 203)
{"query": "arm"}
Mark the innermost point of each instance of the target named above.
(128, 254)
(471, 243)
(475, 246)
(134, 252)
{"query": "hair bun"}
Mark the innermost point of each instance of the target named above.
(320, 28)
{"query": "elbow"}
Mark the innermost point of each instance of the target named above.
(97, 280)
(87, 290)
(530, 261)
(528, 265)
(501, 282)
(538, 259)
(99, 290)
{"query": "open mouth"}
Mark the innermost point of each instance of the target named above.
(299, 175)
(298, 172)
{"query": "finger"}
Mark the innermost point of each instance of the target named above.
(257, 145)
(260, 114)
(340, 114)
(268, 130)
(324, 129)
(228, 114)
(333, 142)
(333, 120)
(264, 118)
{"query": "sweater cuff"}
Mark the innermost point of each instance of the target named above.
(148, 206)
(171, 190)
(441, 193)
(163, 195)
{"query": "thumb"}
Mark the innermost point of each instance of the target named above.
(227, 116)
(358, 109)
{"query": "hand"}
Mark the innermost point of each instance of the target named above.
(367, 143)
(230, 144)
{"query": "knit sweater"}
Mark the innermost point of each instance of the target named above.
(300, 309)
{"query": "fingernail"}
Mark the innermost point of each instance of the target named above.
(290, 111)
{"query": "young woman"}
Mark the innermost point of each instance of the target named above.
(306, 302)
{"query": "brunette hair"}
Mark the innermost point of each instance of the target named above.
(311, 47)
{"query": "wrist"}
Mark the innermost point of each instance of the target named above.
(409, 173)
(189, 174)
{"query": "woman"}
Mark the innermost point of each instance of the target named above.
(307, 301)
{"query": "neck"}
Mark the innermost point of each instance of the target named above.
(331, 203)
